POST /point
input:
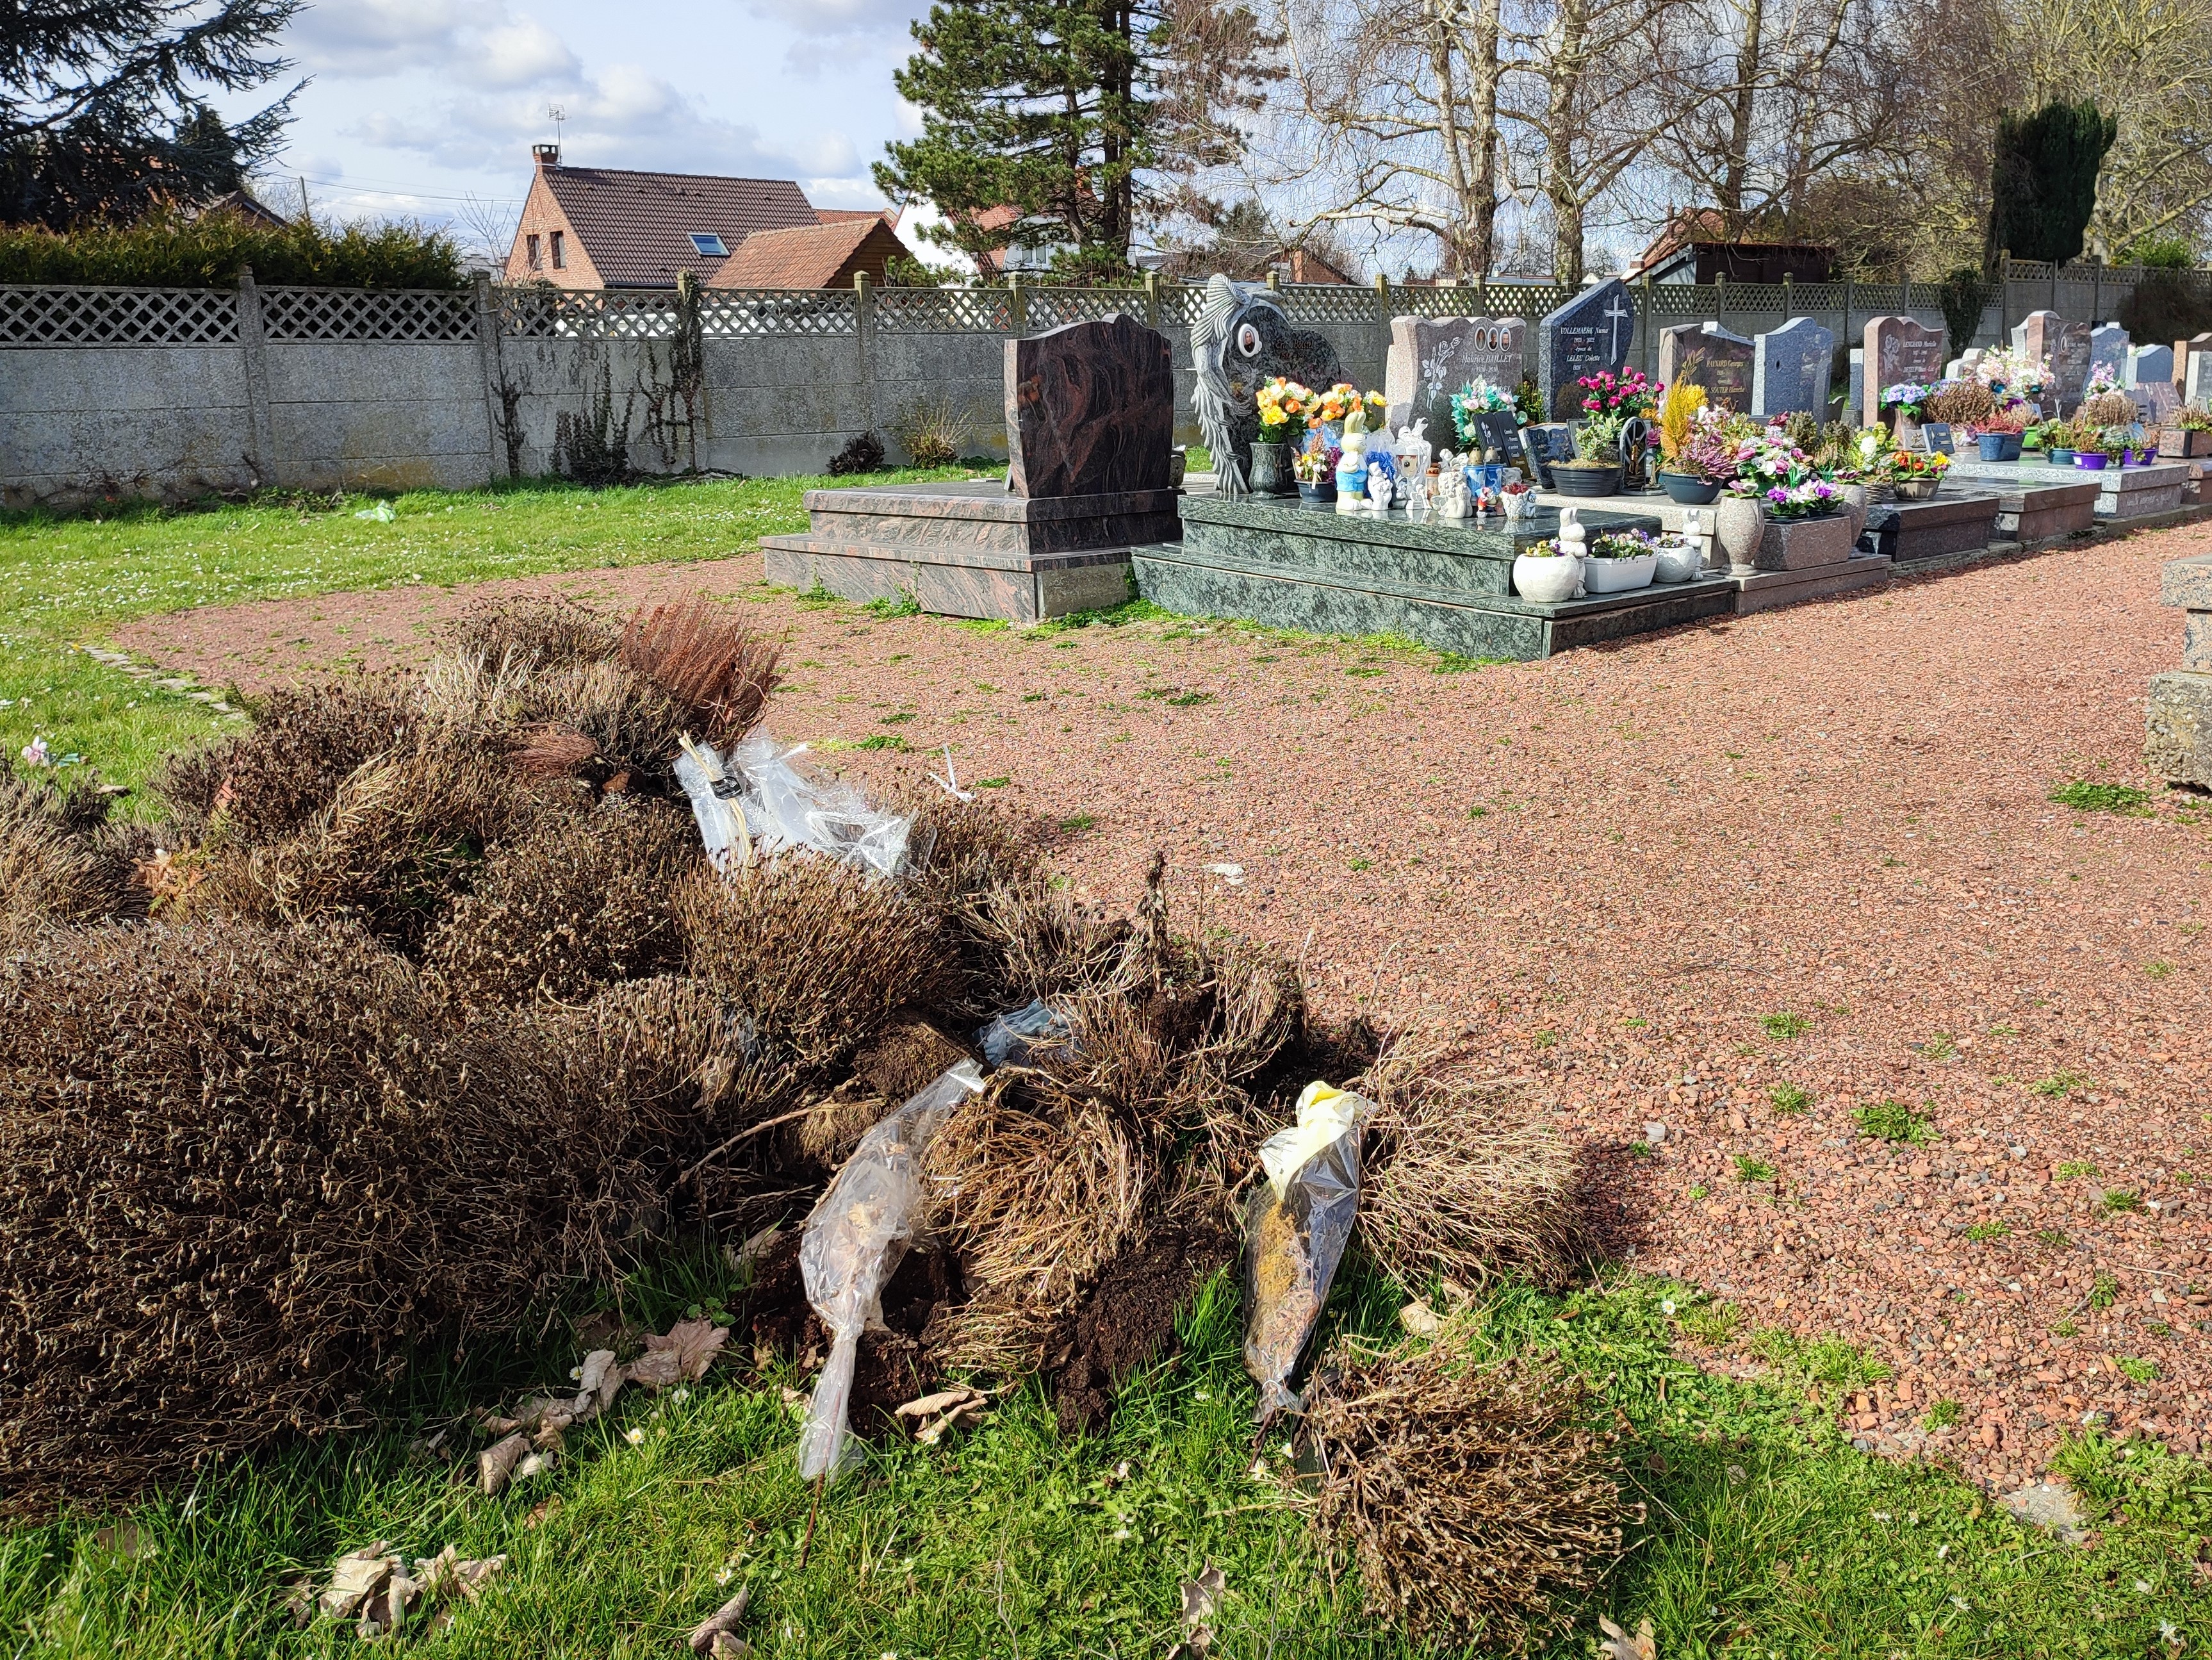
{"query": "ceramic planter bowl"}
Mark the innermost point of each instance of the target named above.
(1683, 563)
(2090, 461)
(1688, 488)
(1571, 480)
(1317, 495)
(1620, 575)
(1999, 446)
(2060, 456)
(1739, 526)
(1548, 581)
(1919, 489)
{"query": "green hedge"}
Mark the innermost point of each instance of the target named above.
(209, 253)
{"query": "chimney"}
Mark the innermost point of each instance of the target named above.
(548, 156)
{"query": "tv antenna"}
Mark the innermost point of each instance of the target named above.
(556, 114)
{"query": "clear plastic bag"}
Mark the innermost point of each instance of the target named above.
(854, 1239)
(1010, 1039)
(1296, 1226)
(753, 798)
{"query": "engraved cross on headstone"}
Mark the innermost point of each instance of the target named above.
(1614, 314)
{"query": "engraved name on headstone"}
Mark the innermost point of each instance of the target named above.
(1591, 334)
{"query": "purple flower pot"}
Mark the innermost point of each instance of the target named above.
(2090, 461)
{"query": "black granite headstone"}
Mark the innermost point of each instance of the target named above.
(1590, 334)
(1090, 410)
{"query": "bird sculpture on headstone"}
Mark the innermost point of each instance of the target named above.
(1241, 340)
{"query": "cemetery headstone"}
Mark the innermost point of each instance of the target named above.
(1550, 441)
(1500, 431)
(2148, 364)
(2197, 389)
(1241, 339)
(1592, 333)
(1855, 400)
(1432, 357)
(2065, 343)
(1706, 355)
(1791, 368)
(1899, 349)
(1936, 437)
(1090, 410)
(2158, 400)
(2108, 350)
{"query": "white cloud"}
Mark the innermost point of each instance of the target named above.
(525, 54)
(833, 18)
(478, 41)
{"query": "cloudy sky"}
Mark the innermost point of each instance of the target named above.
(417, 105)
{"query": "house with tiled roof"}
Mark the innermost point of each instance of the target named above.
(612, 228)
(825, 256)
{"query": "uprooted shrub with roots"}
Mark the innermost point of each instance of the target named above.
(1470, 1495)
(62, 863)
(1467, 1179)
(248, 1169)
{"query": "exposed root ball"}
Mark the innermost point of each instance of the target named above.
(1034, 1203)
(1466, 1182)
(817, 953)
(1469, 1495)
(627, 721)
(61, 864)
(717, 671)
(572, 904)
(1126, 1320)
(1022, 938)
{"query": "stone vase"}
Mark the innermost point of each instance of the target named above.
(1855, 508)
(1271, 467)
(1739, 526)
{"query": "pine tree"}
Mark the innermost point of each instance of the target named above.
(2043, 186)
(1082, 115)
(103, 112)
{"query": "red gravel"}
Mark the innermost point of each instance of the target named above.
(1609, 866)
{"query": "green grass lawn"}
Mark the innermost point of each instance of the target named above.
(1764, 1533)
(66, 582)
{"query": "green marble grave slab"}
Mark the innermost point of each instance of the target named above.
(1187, 578)
(1450, 554)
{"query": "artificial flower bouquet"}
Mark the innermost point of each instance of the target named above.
(1908, 397)
(1315, 464)
(2013, 372)
(1783, 479)
(1281, 403)
(2102, 380)
(1339, 403)
(1622, 395)
(1909, 466)
(1479, 398)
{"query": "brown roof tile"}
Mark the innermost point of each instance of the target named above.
(636, 227)
(810, 256)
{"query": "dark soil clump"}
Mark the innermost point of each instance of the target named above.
(1128, 1321)
(893, 1367)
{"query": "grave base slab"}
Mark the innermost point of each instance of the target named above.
(1769, 590)
(972, 550)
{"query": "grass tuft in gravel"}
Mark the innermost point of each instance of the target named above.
(2086, 797)
(1892, 1121)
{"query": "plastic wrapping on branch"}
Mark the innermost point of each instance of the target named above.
(1296, 1225)
(854, 1239)
(1011, 1039)
(752, 800)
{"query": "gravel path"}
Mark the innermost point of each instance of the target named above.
(1616, 871)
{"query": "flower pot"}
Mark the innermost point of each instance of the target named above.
(1999, 446)
(1802, 544)
(1271, 466)
(2090, 461)
(1548, 581)
(1916, 489)
(1685, 562)
(1317, 495)
(1688, 488)
(1620, 575)
(1739, 525)
(1570, 479)
(2059, 456)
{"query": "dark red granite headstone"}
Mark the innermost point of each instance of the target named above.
(1090, 410)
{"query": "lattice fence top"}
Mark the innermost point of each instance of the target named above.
(116, 316)
(548, 313)
(732, 314)
(294, 315)
(943, 311)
